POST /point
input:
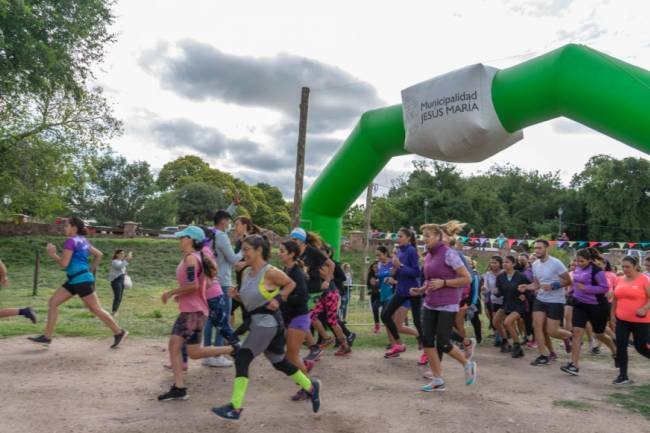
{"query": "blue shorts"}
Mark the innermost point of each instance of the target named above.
(302, 323)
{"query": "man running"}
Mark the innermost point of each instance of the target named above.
(550, 276)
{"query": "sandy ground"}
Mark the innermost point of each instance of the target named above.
(80, 385)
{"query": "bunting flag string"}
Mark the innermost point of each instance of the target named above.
(502, 242)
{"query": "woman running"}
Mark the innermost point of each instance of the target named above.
(495, 267)
(630, 305)
(26, 312)
(523, 266)
(590, 305)
(243, 227)
(194, 272)
(444, 274)
(372, 283)
(81, 281)
(295, 312)
(264, 288)
(514, 301)
(116, 276)
(405, 270)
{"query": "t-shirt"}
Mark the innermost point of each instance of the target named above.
(548, 272)
(490, 279)
(630, 296)
(80, 248)
(314, 259)
(296, 304)
(213, 289)
(195, 301)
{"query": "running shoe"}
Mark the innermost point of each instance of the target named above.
(119, 338)
(343, 351)
(469, 348)
(470, 373)
(595, 350)
(314, 395)
(309, 364)
(376, 328)
(222, 362)
(505, 346)
(428, 374)
(621, 380)
(571, 369)
(351, 338)
(174, 394)
(517, 351)
(315, 352)
(532, 344)
(424, 360)
(541, 360)
(567, 345)
(434, 386)
(227, 412)
(301, 395)
(28, 313)
(552, 356)
(326, 343)
(41, 339)
(395, 350)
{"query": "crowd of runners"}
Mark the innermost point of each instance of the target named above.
(532, 303)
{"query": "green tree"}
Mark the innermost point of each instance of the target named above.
(198, 201)
(354, 218)
(117, 190)
(616, 194)
(159, 211)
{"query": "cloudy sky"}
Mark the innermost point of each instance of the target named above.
(222, 79)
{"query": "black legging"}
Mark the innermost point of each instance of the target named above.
(395, 303)
(375, 303)
(437, 327)
(118, 290)
(244, 358)
(640, 332)
(476, 323)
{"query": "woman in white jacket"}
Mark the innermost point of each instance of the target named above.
(116, 276)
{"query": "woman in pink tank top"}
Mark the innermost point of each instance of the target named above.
(193, 273)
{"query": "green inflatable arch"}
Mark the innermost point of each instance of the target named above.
(574, 81)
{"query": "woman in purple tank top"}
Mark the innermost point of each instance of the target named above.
(444, 275)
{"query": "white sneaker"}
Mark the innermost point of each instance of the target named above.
(221, 361)
(427, 374)
(208, 362)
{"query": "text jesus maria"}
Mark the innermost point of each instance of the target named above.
(449, 109)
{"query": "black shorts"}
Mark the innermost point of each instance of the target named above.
(189, 326)
(553, 311)
(516, 308)
(596, 314)
(570, 301)
(495, 307)
(81, 289)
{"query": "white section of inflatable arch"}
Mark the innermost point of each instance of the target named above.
(452, 118)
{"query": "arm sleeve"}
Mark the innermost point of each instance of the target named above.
(411, 268)
(601, 284)
(69, 244)
(225, 249)
(231, 209)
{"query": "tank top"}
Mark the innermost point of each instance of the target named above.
(630, 296)
(254, 294)
(195, 301)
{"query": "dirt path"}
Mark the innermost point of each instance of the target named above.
(79, 385)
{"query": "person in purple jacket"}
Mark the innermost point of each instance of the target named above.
(406, 270)
(590, 289)
(444, 276)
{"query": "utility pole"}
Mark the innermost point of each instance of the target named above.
(366, 248)
(300, 156)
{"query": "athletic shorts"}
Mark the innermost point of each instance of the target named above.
(495, 307)
(570, 301)
(81, 289)
(329, 303)
(189, 326)
(301, 323)
(596, 314)
(553, 311)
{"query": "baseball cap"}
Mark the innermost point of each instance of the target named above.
(194, 232)
(299, 234)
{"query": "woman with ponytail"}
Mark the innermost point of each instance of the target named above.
(81, 281)
(193, 274)
(444, 276)
(590, 304)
